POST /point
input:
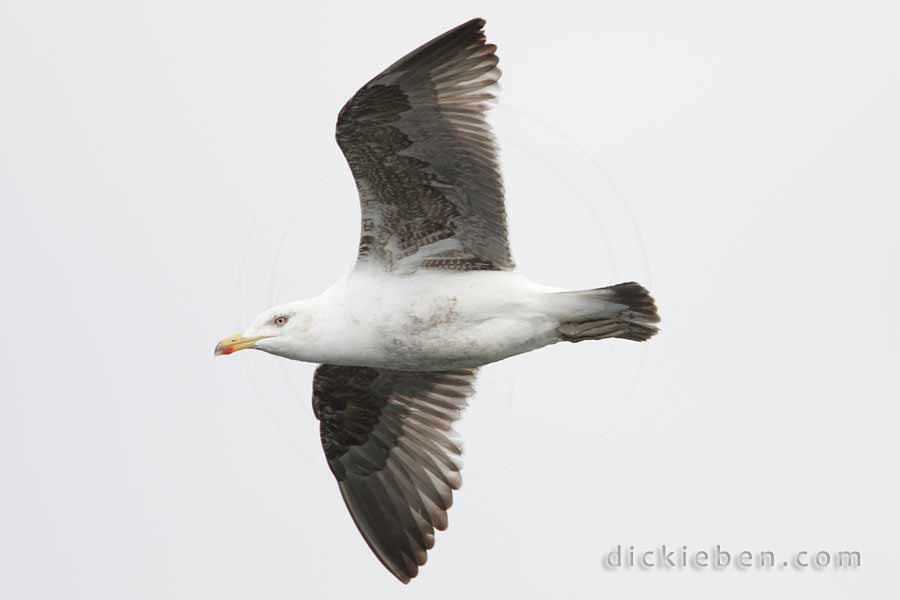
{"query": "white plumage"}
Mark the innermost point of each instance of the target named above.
(430, 321)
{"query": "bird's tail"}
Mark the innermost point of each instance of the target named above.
(624, 311)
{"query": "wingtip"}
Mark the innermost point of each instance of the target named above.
(476, 24)
(402, 575)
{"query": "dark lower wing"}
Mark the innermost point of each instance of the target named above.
(389, 440)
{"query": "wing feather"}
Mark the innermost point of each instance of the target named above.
(389, 441)
(425, 160)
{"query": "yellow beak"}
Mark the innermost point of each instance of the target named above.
(235, 342)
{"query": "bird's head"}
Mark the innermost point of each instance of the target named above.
(278, 330)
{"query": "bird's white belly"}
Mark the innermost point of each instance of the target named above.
(443, 321)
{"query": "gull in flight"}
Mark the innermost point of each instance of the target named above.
(433, 296)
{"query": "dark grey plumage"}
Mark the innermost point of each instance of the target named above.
(389, 441)
(425, 160)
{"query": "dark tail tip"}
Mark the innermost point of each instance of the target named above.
(626, 311)
(637, 321)
(641, 305)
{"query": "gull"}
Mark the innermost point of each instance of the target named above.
(433, 296)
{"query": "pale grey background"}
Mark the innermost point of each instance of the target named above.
(169, 170)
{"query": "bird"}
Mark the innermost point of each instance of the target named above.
(432, 297)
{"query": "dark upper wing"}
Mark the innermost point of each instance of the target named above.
(389, 441)
(425, 161)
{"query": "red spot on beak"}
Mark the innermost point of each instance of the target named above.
(228, 350)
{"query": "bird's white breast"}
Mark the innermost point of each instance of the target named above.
(431, 321)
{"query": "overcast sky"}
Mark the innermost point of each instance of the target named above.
(169, 170)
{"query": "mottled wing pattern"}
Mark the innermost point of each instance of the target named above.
(389, 441)
(425, 160)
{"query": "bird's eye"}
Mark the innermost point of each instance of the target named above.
(280, 320)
